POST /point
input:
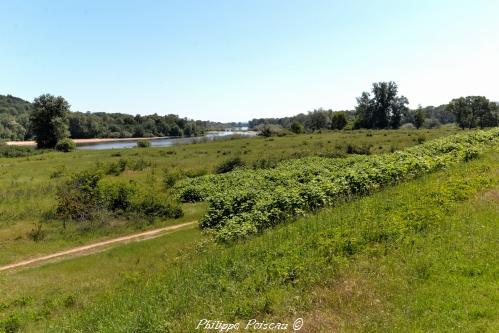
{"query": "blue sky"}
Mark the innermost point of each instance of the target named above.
(237, 60)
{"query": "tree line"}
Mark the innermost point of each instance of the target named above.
(383, 108)
(379, 109)
(18, 121)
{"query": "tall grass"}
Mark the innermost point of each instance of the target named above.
(274, 276)
(28, 184)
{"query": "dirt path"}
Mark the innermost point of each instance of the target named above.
(88, 249)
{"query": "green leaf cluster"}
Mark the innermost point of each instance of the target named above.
(245, 202)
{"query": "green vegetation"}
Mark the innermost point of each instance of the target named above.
(312, 121)
(14, 118)
(85, 198)
(246, 202)
(383, 110)
(419, 117)
(473, 111)
(65, 145)
(17, 151)
(268, 130)
(49, 120)
(339, 120)
(143, 143)
(230, 165)
(353, 266)
(412, 257)
(297, 128)
(29, 185)
(32, 297)
(15, 123)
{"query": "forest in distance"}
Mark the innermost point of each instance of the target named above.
(15, 123)
(380, 109)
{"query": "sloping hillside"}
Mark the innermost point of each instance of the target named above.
(14, 118)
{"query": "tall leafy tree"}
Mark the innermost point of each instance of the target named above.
(488, 116)
(318, 119)
(419, 117)
(397, 107)
(364, 111)
(461, 110)
(338, 120)
(384, 109)
(49, 120)
(473, 111)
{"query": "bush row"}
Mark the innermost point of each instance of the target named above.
(17, 151)
(244, 202)
(86, 196)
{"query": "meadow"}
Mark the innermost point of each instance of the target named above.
(28, 184)
(415, 255)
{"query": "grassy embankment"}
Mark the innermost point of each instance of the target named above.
(28, 184)
(417, 256)
(420, 256)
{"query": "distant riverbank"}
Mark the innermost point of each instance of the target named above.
(88, 141)
(161, 141)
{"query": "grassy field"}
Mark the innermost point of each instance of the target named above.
(28, 184)
(418, 256)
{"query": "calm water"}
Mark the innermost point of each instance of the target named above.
(164, 142)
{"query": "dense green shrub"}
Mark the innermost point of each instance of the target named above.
(17, 151)
(191, 194)
(171, 177)
(143, 143)
(339, 120)
(153, 205)
(297, 127)
(80, 198)
(229, 165)
(86, 197)
(116, 168)
(246, 201)
(65, 145)
(268, 130)
(117, 197)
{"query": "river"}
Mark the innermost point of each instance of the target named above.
(164, 142)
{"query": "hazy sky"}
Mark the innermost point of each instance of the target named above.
(236, 60)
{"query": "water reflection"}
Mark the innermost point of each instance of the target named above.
(164, 142)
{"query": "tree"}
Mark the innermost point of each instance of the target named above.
(297, 127)
(471, 111)
(419, 117)
(318, 119)
(488, 116)
(383, 110)
(338, 120)
(49, 120)
(396, 109)
(461, 111)
(364, 111)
